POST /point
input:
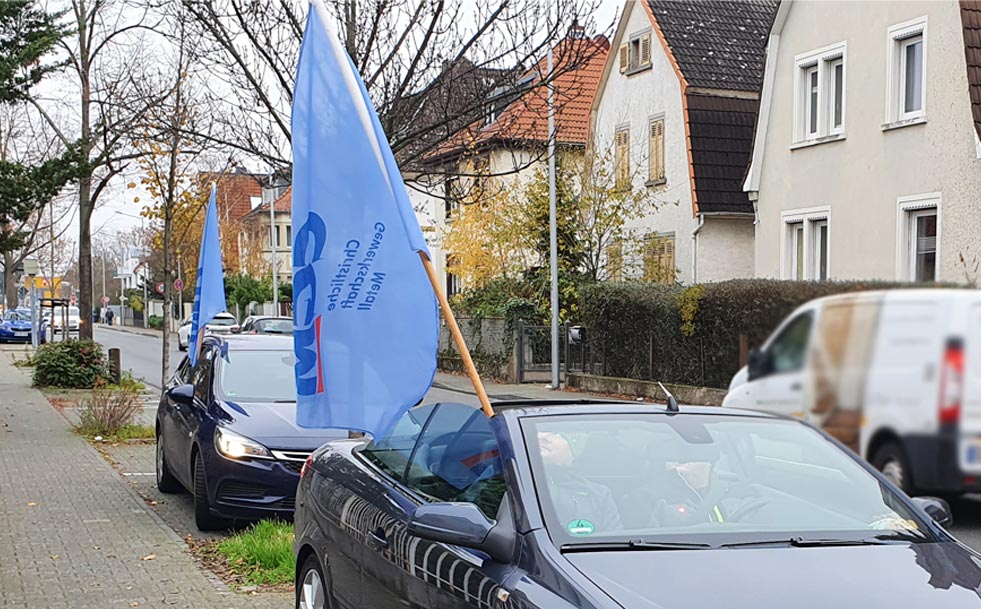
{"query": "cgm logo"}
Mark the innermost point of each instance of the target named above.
(308, 248)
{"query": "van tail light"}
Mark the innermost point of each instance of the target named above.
(306, 465)
(952, 382)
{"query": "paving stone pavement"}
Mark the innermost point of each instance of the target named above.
(73, 534)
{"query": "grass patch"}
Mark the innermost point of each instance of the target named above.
(261, 554)
(126, 432)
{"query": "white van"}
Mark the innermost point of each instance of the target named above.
(895, 375)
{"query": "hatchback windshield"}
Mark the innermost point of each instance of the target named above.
(257, 376)
(275, 326)
(17, 316)
(704, 479)
(222, 321)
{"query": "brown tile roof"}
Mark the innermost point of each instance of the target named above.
(721, 136)
(235, 192)
(580, 62)
(971, 25)
(717, 44)
(284, 204)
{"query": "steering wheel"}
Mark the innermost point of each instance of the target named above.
(748, 508)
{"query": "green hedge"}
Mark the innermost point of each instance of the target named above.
(691, 335)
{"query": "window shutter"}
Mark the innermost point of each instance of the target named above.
(645, 49)
(668, 261)
(656, 168)
(622, 159)
(624, 58)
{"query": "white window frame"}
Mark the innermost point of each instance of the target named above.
(822, 61)
(812, 218)
(908, 209)
(897, 38)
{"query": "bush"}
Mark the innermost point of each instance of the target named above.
(77, 364)
(691, 335)
(156, 322)
(107, 412)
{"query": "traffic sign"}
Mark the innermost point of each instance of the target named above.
(178, 284)
(105, 300)
(160, 287)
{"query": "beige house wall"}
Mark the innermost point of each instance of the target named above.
(861, 177)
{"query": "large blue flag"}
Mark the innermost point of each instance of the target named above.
(366, 319)
(209, 293)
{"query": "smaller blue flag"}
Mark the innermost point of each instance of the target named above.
(209, 293)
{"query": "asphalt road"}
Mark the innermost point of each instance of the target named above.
(138, 353)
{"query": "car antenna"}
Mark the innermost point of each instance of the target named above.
(672, 402)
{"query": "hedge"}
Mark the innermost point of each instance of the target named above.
(691, 335)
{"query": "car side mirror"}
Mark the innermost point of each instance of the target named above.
(182, 394)
(937, 509)
(759, 364)
(463, 524)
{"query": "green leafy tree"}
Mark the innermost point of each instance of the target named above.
(242, 290)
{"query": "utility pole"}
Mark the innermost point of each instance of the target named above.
(553, 226)
(273, 237)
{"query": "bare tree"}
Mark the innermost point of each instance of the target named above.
(429, 66)
(106, 54)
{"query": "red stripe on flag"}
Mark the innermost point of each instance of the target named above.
(320, 366)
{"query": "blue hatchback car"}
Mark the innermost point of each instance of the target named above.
(226, 431)
(16, 327)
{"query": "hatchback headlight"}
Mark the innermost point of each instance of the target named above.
(234, 446)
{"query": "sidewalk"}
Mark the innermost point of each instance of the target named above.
(135, 330)
(72, 532)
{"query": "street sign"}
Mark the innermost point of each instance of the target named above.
(160, 287)
(73, 301)
(105, 300)
(178, 284)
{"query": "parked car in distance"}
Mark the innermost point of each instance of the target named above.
(57, 319)
(612, 505)
(895, 375)
(226, 431)
(223, 323)
(15, 327)
(267, 324)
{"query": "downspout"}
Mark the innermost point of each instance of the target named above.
(694, 247)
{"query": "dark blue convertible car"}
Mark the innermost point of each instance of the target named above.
(226, 431)
(613, 505)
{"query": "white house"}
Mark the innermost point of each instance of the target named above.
(676, 105)
(866, 162)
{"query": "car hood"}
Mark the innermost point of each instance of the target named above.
(274, 425)
(935, 575)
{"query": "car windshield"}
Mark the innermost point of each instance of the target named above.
(73, 311)
(257, 376)
(222, 321)
(17, 316)
(275, 326)
(711, 479)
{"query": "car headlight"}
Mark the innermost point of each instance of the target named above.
(234, 446)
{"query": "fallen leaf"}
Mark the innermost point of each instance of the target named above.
(97, 547)
(31, 503)
(134, 604)
(54, 557)
(152, 502)
(149, 557)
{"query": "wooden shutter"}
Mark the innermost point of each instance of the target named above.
(624, 58)
(623, 159)
(645, 50)
(614, 260)
(659, 260)
(656, 168)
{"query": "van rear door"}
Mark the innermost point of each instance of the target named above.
(970, 456)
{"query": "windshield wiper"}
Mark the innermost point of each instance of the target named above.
(813, 542)
(633, 544)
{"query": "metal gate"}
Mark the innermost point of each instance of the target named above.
(534, 352)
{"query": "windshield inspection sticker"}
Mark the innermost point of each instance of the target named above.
(580, 528)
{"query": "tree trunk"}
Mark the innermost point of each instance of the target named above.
(84, 259)
(10, 286)
(168, 298)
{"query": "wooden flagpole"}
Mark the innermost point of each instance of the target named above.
(461, 344)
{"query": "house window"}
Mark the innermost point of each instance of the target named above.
(453, 286)
(906, 59)
(635, 55)
(622, 161)
(659, 259)
(820, 101)
(289, 235)
(918, 238)
(656, 160)
(451, 198)
(806, 244)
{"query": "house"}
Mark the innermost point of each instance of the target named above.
(256, 240)
(866, 160)
(509, 141)
(675, 109)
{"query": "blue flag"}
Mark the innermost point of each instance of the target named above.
(209, 293)
(365, 316)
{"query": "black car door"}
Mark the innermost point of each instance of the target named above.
(189, 418)
(170, 425)
(456, 458)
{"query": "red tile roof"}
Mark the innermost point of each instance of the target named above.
(580, 62)
(971, 25)
(284, 204)
(235, 192)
